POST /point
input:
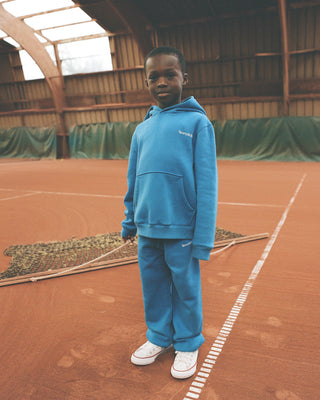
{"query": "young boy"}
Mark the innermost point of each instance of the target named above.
(171, 203)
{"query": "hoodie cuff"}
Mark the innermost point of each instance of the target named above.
(202, 253)
(126, 232)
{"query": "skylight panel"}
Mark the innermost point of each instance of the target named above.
(29, 66)
(73, 31)
(40, 38)
(50, 51)
(59, 18)
(90, 55)
(82, 44)
(12, 41)
(84, 48)
(19, 8)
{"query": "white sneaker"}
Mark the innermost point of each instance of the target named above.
(185, 364)
(147, 353)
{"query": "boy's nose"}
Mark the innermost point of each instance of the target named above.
(162, 82)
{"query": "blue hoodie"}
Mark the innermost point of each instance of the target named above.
(172, 177)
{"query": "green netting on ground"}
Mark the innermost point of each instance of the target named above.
(26, 142)
(38, 257)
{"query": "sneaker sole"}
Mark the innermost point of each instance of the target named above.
(147, 360)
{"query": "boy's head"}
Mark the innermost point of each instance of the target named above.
(167, 50)
(165, 75)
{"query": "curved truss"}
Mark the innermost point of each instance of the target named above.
(24, 35)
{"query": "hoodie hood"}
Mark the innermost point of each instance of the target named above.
(189, 104)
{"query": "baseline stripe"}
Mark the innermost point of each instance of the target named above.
(122, 196)
(249, 204)
(216, 347)
(69, 194)
(18, 197)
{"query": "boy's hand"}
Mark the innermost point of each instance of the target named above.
(128, 238)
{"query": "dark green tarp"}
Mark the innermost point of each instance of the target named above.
(26, 142)
(277, 139)
(104, 140)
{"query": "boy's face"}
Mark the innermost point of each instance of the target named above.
(165, 79)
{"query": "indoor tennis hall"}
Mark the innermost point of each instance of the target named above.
(72, 310)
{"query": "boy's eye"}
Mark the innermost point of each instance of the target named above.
(171, 75)
(153, 78)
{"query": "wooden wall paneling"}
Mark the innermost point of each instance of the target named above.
(243, 110)
(267, 113)
(316, 108)
(252, 110)
(259, 110)
(317, 35)
(300, 108)
(10, 121)
(236, 111)
(228, 112)
(308, 108)
(274, 108)
(238, 76)
(40, 120)
(293, 109)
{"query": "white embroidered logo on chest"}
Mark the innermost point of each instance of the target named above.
(185, 133)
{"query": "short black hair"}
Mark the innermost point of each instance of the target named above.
(167, 50)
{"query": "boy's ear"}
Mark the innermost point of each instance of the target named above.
(185, 78)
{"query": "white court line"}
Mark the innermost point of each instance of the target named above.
(68, 194)
(83, 194)
(122, 196)
(250, 204)
(217, 347)
(19, 196)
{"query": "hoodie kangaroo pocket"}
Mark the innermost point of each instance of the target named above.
(160, 199)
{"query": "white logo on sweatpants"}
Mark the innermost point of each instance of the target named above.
(186, 244)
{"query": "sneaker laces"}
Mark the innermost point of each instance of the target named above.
(150, 348)
(185, 359)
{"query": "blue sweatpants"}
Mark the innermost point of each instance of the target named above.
(172, 297)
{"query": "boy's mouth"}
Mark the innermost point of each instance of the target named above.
(163, 94)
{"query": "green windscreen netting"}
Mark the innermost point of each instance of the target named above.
(103, 141)
(276, 139)
(27, 142)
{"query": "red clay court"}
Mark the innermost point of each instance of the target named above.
(70, 338)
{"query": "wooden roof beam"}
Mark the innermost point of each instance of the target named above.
(285, 54)
(135, 21)
(24, 35)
